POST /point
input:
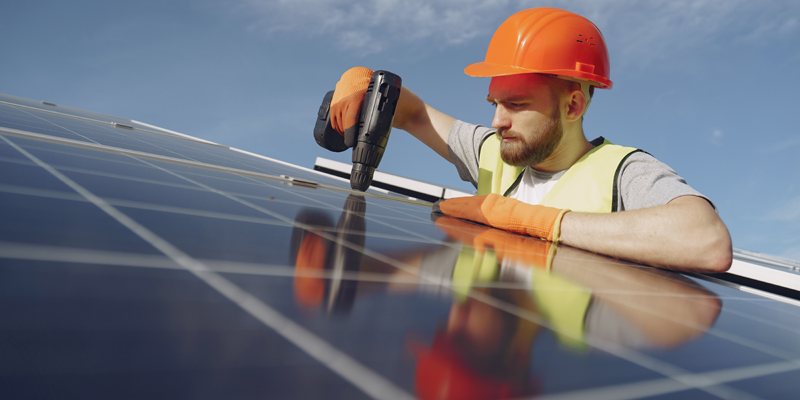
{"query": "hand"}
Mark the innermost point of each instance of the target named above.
(507, 214)
(347, 98)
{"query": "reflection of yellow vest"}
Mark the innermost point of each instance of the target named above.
(588, 186)
(561, 302)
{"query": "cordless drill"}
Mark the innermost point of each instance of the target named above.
(374, 125)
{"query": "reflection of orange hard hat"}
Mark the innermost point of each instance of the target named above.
(547, 41)
(442, 374)
(309, 290)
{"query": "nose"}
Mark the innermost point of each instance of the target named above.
(501, 119)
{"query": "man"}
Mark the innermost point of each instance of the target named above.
(536, 172)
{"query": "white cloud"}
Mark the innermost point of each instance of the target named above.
(782, 145)
(716, 136)
(771, 29)
(357, 25)
(647, 32)
(639, 32)
(787, 212)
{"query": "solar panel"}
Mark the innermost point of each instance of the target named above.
(137, 263)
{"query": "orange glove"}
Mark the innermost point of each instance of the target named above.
(347, 98)
(507, 214)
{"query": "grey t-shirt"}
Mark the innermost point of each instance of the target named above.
(643, 181)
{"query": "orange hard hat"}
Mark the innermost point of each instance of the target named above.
(550, 41)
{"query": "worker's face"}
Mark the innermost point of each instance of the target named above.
(527, 117)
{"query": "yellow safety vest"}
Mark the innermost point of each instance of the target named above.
(590, 185)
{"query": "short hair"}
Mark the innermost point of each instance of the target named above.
(558, 86)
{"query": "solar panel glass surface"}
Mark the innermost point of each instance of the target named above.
(194, 271)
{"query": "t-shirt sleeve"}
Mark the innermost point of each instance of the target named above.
(646, 182)
(463, 145)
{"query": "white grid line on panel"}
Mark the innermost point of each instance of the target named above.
(351, 370)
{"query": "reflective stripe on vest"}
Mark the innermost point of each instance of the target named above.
(588, 186)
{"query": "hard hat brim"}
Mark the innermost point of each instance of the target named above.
(489, 70)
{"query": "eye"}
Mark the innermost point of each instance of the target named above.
(493, 104)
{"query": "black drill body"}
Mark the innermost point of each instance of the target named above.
(374, 125)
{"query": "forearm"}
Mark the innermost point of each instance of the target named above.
(424, 122)
(685, 234)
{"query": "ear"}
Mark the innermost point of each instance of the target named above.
(575, 105)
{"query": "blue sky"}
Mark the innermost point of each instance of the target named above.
(709, 87)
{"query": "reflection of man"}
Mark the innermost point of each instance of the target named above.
(536, 173)
(505, 287)
(484, 352)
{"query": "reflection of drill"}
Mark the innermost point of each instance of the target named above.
(374, 126)
(323, 267)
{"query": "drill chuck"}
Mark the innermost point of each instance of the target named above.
(361, 177)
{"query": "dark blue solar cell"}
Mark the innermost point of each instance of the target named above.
(24, 174)
(781, 385)
(56, 222)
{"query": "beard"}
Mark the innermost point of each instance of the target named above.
(531, 151)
